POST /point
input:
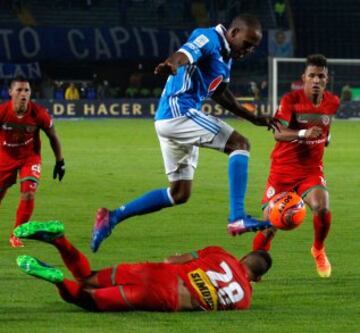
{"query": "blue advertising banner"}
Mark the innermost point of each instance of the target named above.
(31, 71)
(125, 108)
(30, 44)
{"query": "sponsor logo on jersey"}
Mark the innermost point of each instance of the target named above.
(204, 288)
(191, 46)
(215, 83)
(270, 192)
(201, 40)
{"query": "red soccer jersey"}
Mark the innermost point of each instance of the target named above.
(217, 280)
(19, 136)
(297, 112)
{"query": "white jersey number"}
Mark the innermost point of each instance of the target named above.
(230, 291)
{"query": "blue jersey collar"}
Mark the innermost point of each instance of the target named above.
(220, 29)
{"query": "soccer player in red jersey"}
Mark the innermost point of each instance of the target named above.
(297, 160)
(209, 279)
(20, 122)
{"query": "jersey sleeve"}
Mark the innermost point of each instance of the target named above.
(44, 119)
(199, 44)
(284, 112)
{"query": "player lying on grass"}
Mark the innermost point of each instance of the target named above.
(208, 279)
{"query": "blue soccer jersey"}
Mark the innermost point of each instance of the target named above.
(208, 52)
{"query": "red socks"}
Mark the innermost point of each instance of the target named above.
(72, 292)
(74, 260)
(24, 211)
(262, 241)
(321, 223)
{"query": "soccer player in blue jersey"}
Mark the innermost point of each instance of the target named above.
(198, 70)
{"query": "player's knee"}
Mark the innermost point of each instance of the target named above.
(241, 144)
(181, 197)
(27, 196)
(320, 211)
(28, 188)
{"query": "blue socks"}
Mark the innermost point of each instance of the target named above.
(148, 203)
(238, 175)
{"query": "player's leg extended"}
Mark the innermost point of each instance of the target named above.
(137, 287)
(263, 238)
(179, 166)
(318, 200)
(106, 219)
(70, 291)
(238, 148)
(112, 289)
(53, 232)
(25, 208)
(26, 205)
(30, 172)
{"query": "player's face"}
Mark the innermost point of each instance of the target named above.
(315, 80)
(20, 94)
(243, 41)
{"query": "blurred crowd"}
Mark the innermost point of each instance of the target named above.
(90, 90)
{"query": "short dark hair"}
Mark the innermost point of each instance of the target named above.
(248, 19)
(18, 78)
(259, 262)
(317, 60)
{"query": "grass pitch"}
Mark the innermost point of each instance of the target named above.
(112, 161)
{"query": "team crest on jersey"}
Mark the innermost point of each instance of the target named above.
(201, 40)
(270, 192)
(215, 83)
(325, 120)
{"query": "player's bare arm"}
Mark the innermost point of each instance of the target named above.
(59, 168)
(284, 133)
(180, 258)
(226, 98)
(171, 64)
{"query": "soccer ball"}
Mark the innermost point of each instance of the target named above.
(286, 210)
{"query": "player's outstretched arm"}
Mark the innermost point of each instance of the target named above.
(284, 133)
(59, 168)
(226, 98)
(171, 64)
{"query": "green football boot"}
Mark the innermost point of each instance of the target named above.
(35, 267)
(42, 231)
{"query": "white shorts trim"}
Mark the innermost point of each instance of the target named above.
(180, 139)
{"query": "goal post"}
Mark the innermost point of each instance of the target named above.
(285, 71)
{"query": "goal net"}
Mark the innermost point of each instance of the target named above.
(344, 81)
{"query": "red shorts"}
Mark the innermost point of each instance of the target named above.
(28, 169)
(277, 183)
(146, 286)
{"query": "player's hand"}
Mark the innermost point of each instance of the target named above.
(165, 68)
(59, 170)
(313, 132)
(270, 122)
(327, 142)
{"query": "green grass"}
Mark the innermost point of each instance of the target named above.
(109, 162)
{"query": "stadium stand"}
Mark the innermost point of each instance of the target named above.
(316, 21)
